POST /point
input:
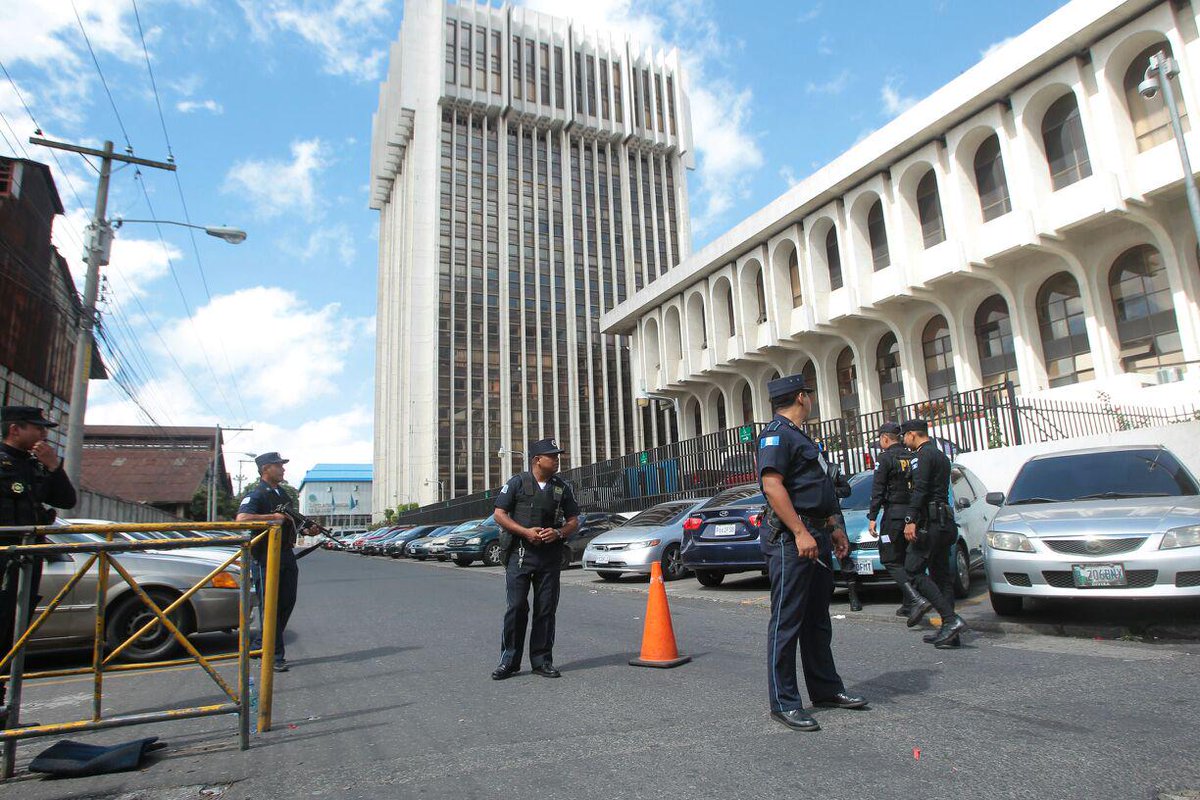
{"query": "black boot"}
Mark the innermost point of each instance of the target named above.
(919, 606)
(951, 628)
(903, 610)
(855, 603)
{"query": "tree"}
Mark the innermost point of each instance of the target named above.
(226, 505)
(291, 492)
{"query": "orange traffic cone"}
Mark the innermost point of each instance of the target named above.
(658, 637)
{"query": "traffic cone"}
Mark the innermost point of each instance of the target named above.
(658, 637)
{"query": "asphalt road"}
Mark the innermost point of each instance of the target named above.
(390, 696)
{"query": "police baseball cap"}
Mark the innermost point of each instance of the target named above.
(269, 458)
(785, 386)
(914, 426)
(890, 428)
(30, 415)
(544, 447)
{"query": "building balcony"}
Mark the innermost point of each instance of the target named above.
(1001, 235)
(1079, 203)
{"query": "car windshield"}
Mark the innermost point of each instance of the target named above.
(1102, 475)
(860, 492)
(661, 514)
(75, 538)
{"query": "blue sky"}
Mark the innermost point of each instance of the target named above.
(267, 107)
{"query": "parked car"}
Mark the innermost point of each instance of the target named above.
(397, 545)
(165, 576)
(1105, 522)
(480, 543)
(364, 539)
(721, 536)
(591, 525)
(374, 547)
(436, 546)
(653, 535)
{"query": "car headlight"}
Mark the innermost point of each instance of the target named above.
(645, 544)
(1187, 536)
(1000, 540)
(475, 540)
(224, 580)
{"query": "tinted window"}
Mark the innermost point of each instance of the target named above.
(755, 499)
(1148, 472)
(731, 496)
(860, 492)
(662, 514)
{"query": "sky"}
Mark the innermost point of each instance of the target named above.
(265, 107)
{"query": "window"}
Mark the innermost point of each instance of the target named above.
(847, 381)
(481, 39)
(605, 111)
(464, 55)
(658, 102)
(939, 358)
(794, 273)
(544, 72)
(451, 51)
(530, 74)
(579, 82)
(833, 258)
(960, 487)
(993, 338)
(729, 311)
(877, 234)
(617, 100)
(929, 211)
(1062, 325)
(648, 111)
(760, 291)
(635, 87)
(1150, 118)
(1066, 150)
(990, 181)
(1146, 326)
(809, 371)
(558, 77)
(6, 178)
(891, 376)
(671, 103)
(591, 86)
(494, 55)
(722, 417)
(747, 404)
(697, 420)
(515, 78)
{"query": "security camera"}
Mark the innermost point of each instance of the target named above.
(1149, 87)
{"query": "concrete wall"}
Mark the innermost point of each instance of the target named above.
(997, 468)
(100, 506)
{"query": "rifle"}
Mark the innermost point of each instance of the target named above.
(304, 523)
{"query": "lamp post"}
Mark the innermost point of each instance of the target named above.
(1158, 76)
(440, 484)
(231, 235)
(644, 397)
(241, 461)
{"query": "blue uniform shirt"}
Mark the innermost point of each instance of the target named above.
(784, 448)
(264, 500)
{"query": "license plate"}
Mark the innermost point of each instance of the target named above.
(724, 530)
(864, 568)
(1094, 576)
(601, 560)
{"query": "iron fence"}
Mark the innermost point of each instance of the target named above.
(980, 419)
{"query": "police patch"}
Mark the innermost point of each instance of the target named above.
(558, 490)
(768, 441)
(504, 489)
(18, 488)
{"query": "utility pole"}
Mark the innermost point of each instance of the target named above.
(212, 477)
(99, 245)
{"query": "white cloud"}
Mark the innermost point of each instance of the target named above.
(339, 30)
(992, 48)
(895, 103)
(835, 85)
(135, 262)
(335, 242)
(188, 106)
(825, 45)
(274, 187)
(809, 14)
(789, 175)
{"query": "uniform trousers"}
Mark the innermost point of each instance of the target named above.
(10, 573)
(894, 551)
(517, 581)
(931, 551)
(800, 593)
(289, 580)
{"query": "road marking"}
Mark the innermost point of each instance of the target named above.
(1088, 647)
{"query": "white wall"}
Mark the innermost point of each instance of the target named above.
(997, 468)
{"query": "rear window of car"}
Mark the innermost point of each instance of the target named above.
(661, 514)
(860, 492)
(1102, 475)
(731, 496)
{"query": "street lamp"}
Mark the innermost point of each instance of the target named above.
(1158, 76)
(505, 451)
(440, 485)
(231, 235)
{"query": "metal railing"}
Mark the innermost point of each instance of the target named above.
(103, 555)
(980, 419)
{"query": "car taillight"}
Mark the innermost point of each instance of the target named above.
(691, 524)
(754, 519)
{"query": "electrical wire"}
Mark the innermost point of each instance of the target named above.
(96, 61)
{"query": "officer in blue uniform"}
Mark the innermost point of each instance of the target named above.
(799, 537)
(259, 506)
(537, 512)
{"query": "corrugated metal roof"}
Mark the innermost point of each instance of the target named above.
(339, 473)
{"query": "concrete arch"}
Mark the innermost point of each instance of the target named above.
(752, 283)
(860, 234)
(652, 348)
(697, 322)
(781, 271)
(672, 344)
(724, 310)
(818, 262)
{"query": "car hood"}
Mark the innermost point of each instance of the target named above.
(639, 533)
(856, 525)
(1135, 515)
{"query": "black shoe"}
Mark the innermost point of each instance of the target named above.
(919, 605)
(855, 603)
(503, 672)
(929, 637)
(796, 719)
(280, 666)
(951, 628)
(903, 610)
(952, 643)
(547, 671)
(842, 700)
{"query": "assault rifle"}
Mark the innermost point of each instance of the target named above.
(304, 523)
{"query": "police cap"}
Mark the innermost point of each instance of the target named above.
(890, 428)
(544, 447)
(30, 415)
(781, 387)
(269, 458)
(915, 426)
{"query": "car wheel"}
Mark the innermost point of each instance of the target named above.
(1005, 605)
(491, 555)
(672, 564)
(463, 562)
(962, 576)
(709, 578)
(129, 614)
(420, 558)
(609, 575)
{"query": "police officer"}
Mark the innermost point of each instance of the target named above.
(31, 477)
(259, 506)
(537, 513)
(799, 539)
(931, 532)
(891, 491)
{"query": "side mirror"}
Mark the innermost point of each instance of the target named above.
(961, 504)
(994, 498)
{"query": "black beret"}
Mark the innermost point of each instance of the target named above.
(785, 386)
(914, 426)
(27, 414)
(890, 428)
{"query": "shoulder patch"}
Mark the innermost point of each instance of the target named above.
(504, 489)
(768, 441)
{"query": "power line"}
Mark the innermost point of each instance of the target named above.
(153, 85)
(100, 72)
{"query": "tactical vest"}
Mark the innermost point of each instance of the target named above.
(898, 492)
(20, 488)
(536, 509)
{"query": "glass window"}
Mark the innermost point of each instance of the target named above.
(1146, 326)
(544, 72)
(605, 111)
(658, 101)
(760, 292)
(1150, 117)
(617, 101)
(929, 211)
(877, 234)
(661, 515)
(530, 73)
(514, 79)
(729, 310)
(1061, 322)
(833, 258)
(794, 275)
(671, 103)
(960, 487)
(481, 39)
(891, 376)
(464, 51)
(495, 56)
(1066, 149)
(747, 404)
(591, 87)
(558, 77)
(847, 378)
(990, 181)
(809, 371)
(939, 358)
(451, 51)
(722, 418)
(993, 337)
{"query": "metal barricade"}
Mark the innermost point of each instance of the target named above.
(103, 553)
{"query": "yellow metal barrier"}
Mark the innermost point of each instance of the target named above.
(103, 552)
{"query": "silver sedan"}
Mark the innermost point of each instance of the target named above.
(653, 535)
(1109, 522)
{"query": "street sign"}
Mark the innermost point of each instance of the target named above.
(643, 458)
(746, 434)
